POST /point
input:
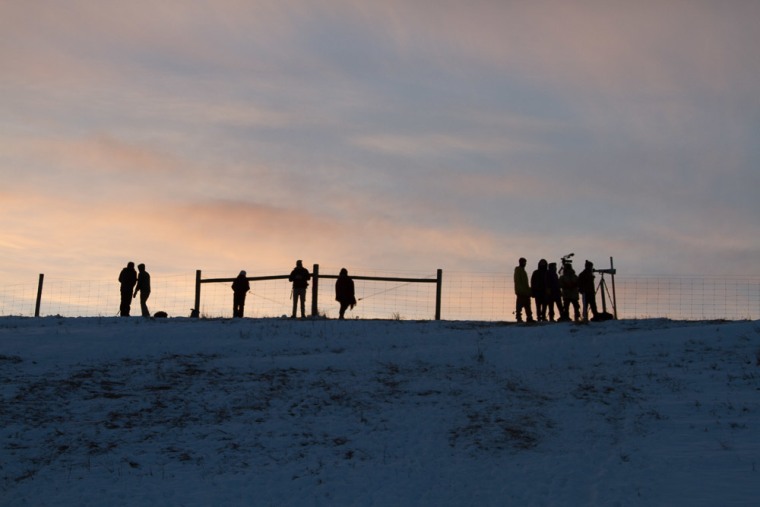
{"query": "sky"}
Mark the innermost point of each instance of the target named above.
(393, 136)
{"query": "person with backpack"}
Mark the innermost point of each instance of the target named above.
(300, 277)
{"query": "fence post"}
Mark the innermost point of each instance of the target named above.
(315, 291)
(614, 296)
(438, 284)
(39, 296)
(197, 312)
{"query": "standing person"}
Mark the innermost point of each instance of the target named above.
(587, 289)
(127, 279)
(539, 289)
(554, 295)
(300, 277)
(143, 286)
(522, 291)
(344, 292)
(569, 283)
(240, 288)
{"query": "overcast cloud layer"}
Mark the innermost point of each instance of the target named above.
(394, 135)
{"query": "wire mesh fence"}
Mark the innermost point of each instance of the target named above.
(465, 296)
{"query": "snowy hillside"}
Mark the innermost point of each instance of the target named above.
(108, 411)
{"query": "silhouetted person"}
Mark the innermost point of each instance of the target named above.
(143, 287)
(554, 297)
(587, 289)
(344, 292)
(522, 291)
(300, 277)
(240, 288)
(127, 279)
(569, 283)
(539, 289)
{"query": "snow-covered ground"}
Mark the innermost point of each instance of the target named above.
(270, 412)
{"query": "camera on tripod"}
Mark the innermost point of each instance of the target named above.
(567, 262)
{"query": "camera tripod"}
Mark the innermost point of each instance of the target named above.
(602, 287)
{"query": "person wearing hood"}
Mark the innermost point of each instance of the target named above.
(240, 288)
(539, 289)
(587, 289)
(344, 292)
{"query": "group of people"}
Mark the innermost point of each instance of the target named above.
(132, 282)
(550, 289)
(547, 287)
(299, 277)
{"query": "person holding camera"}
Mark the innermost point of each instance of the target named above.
(587, 289)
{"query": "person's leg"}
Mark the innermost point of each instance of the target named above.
(144, 303)
(584, 302)
(126, 301)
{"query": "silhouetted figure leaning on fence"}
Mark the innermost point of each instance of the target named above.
(143, 287)
(344, 292)
(522, 291)
(240, 288)
(127, 279)
(300, 277)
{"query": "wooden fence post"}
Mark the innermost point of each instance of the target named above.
(438, 284)
(315, 291)
(197, 312)
(614, 296)
(39, 296)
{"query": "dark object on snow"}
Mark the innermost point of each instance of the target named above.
(194, 313)
(160, 315)
(601, 316)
